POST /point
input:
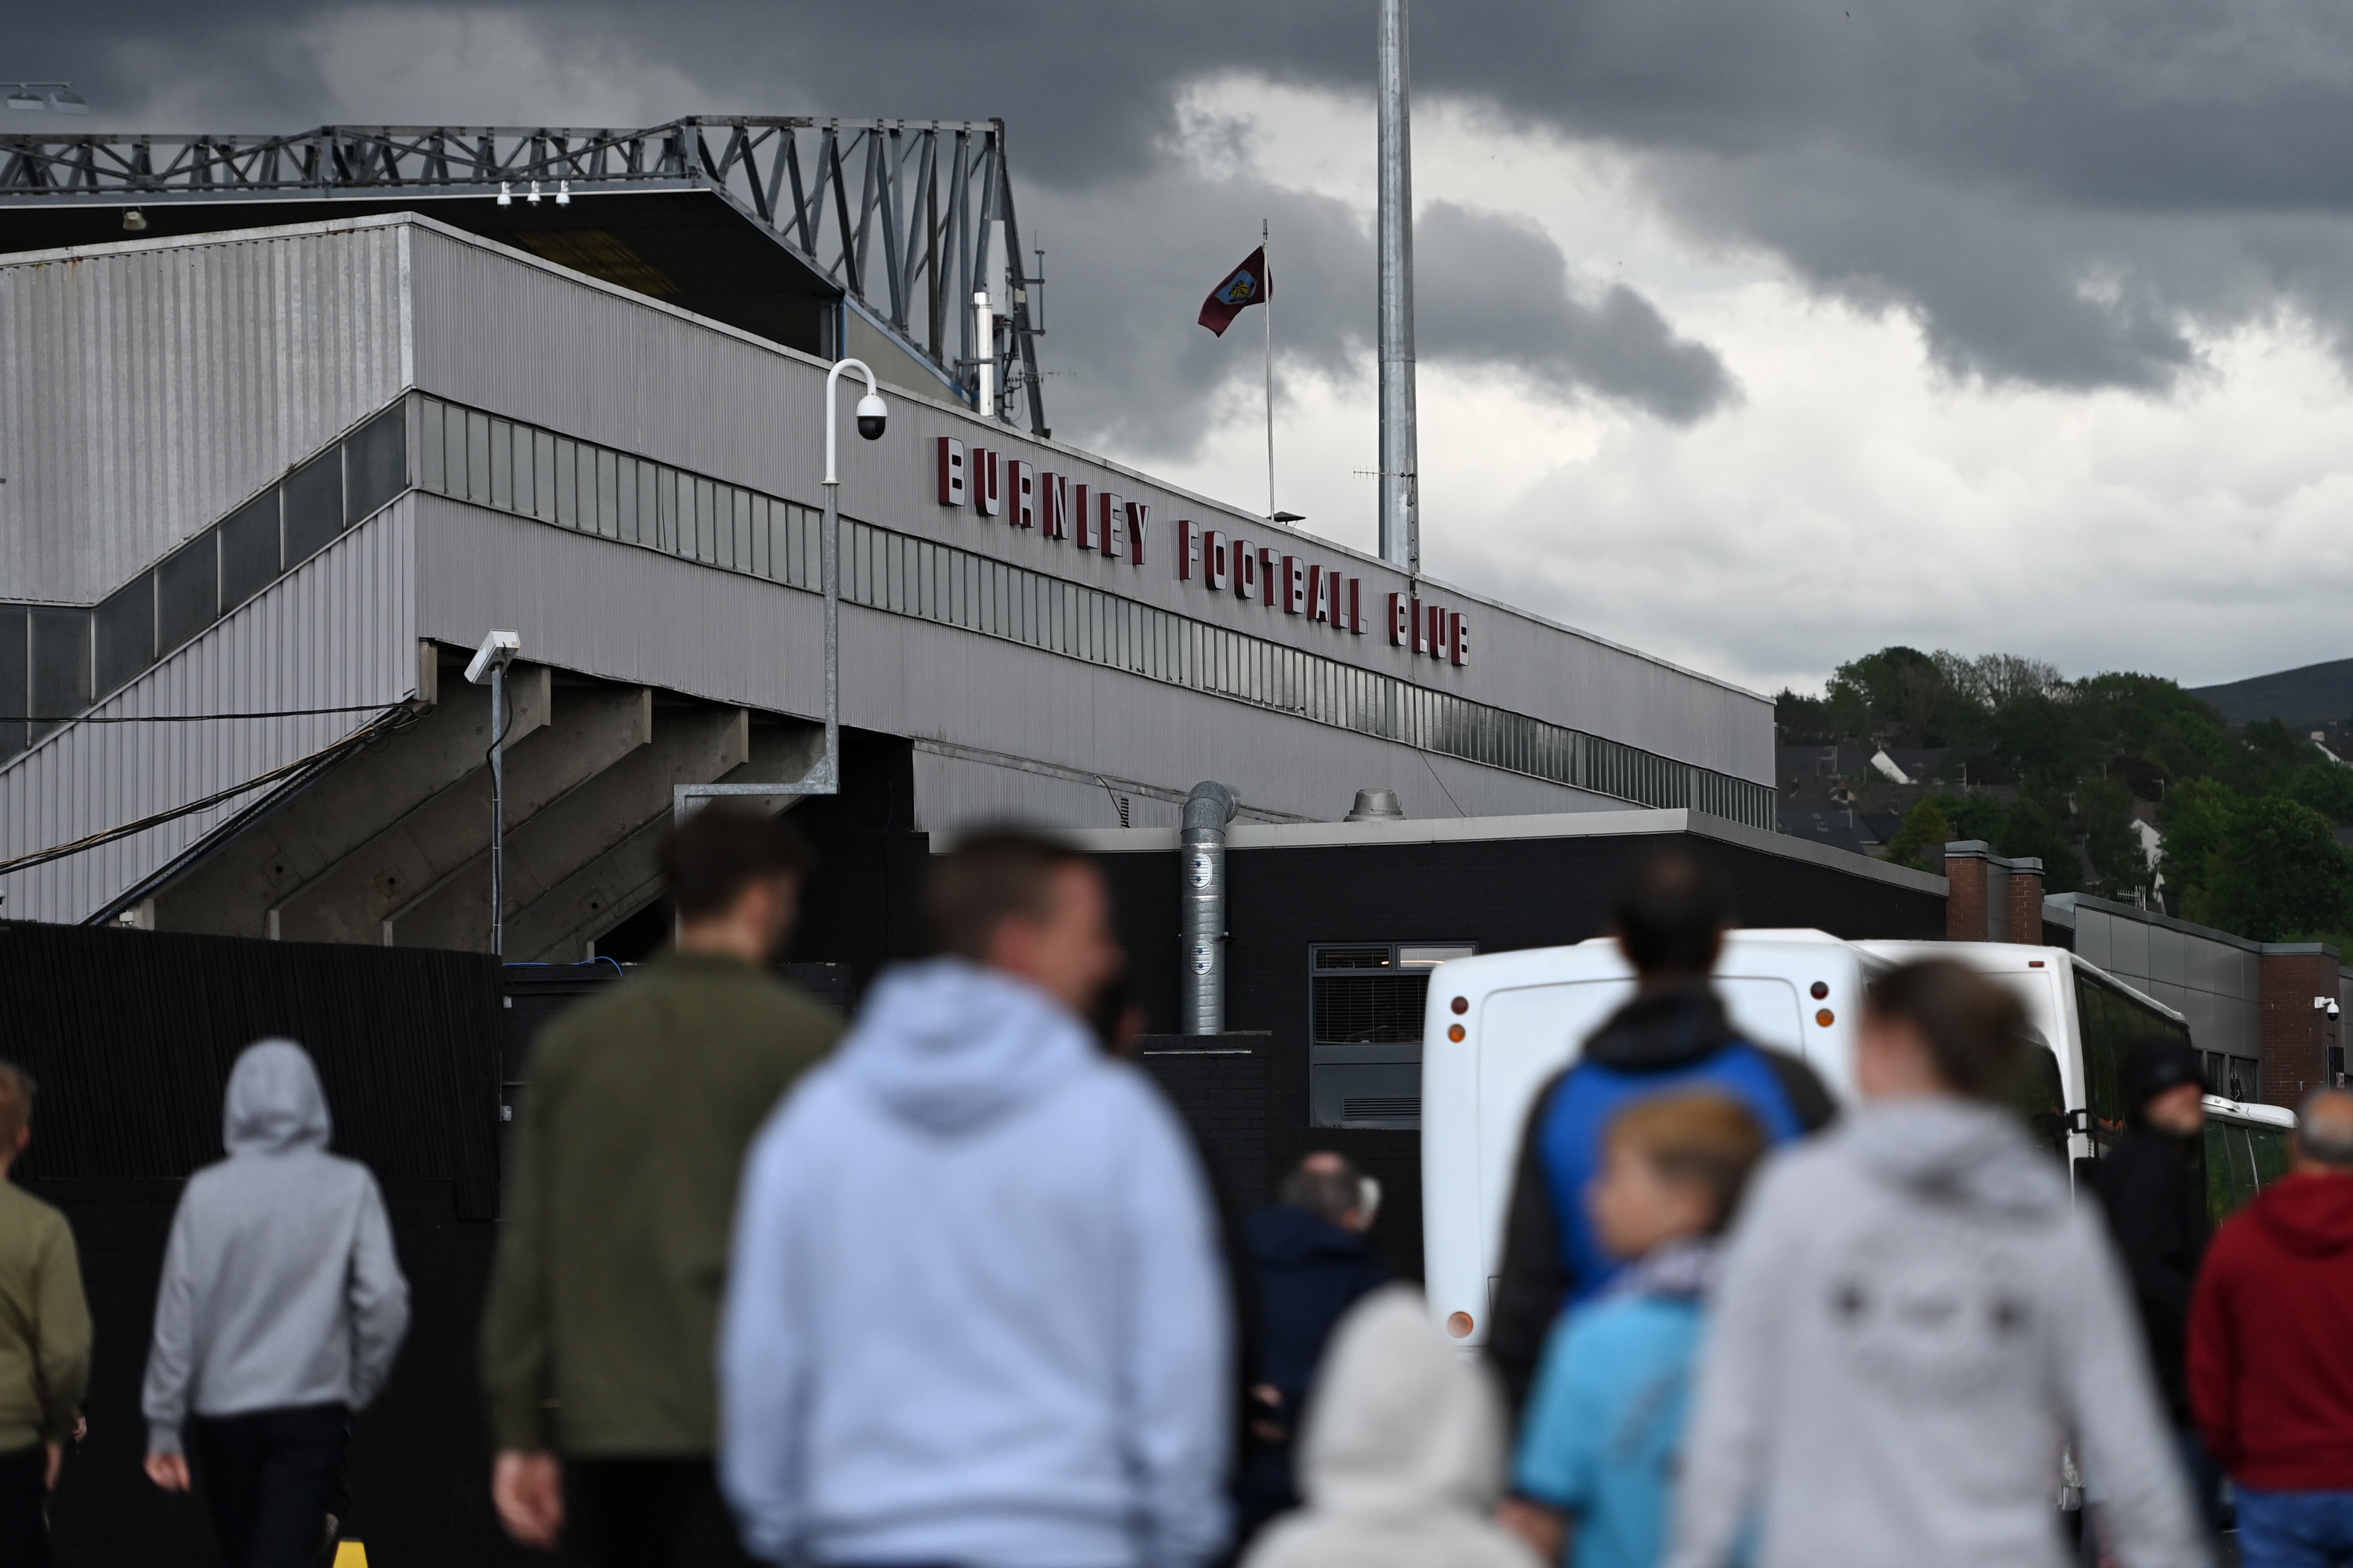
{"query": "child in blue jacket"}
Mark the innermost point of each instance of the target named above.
(1594, 1479)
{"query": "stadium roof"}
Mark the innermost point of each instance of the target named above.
(761, 223)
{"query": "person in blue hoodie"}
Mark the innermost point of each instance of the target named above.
(1593, 1483)
(977, 1313)
(1669, 917)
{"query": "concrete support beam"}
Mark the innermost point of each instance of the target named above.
(689, 746)
(560, 926)
(591, 728)
(232, 891)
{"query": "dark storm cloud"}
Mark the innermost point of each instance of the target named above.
(2062, 191)
(1492, 289)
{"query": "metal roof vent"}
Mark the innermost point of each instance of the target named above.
(1376, 806)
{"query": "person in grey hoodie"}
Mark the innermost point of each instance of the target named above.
(279, 1312)
(1402, 1456)
(976, 1313)
(1911, 1320)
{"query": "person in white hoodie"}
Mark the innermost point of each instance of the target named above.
(1913, 1315)
(1403, 1453)
(279, 1312)
(977, 1314)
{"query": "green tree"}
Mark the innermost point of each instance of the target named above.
(2327, 787)
(1805, 720)
(2104, 808)
(1979, 817)
(2196, 816)
(2280, 872)
(1921, 840)
(2034, 828)
(1903, 697)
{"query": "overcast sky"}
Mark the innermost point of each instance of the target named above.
(1757, 335)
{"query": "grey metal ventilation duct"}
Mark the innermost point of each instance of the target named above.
(1376, 806)
(1206, 811)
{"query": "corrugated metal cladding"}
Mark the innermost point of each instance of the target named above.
(616, 610)
(338, 630)
(150, 389)
(131, 1036)
(531, 342)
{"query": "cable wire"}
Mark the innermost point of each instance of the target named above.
(363, 736)
(186, 718)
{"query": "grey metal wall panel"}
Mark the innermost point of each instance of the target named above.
(626, 613)
(536, 343)
(2134, 955)
(151, 387)
(936, 682)
(2094, 934)
(339, 629)
(604, 608)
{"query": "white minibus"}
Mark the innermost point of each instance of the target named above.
(2092, 1020)
(1496, 1028)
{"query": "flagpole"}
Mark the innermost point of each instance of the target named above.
(1265, 237)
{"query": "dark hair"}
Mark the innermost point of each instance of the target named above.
(1326, 1184)
(15, 1104)
(1670, 912)
(1697, 1137)
(709, 859)
(2157, 1065)
(1976, 1030)
(987, 878)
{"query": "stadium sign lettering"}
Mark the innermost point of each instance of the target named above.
(993, 486)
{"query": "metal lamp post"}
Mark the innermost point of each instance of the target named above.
(825, 777)
(489, 664)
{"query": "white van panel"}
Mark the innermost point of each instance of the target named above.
(1526, 1016)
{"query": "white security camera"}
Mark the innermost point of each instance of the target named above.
(497, 652)
(871, 416)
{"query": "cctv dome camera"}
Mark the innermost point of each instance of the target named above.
(871, 416)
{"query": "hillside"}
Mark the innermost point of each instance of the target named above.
(2312, 697)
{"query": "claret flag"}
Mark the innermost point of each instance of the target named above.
(1245, 285)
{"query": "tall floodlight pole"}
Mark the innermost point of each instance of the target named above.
(489, 664)
(1266, 295)
(1400, 467)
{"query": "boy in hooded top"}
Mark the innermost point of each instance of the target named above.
(1912, 1313)
(1595, 1478)
(977, 1314)
(281, 1309)
(1402, 1454)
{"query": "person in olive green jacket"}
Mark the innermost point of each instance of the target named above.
(44, 1342)
(597, 1342)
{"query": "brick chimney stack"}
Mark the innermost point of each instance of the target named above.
(1989, 897)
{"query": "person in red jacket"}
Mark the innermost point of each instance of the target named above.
(2270, 1350)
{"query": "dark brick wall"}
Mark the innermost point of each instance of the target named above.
(2297, 1036)
(1222, 1086)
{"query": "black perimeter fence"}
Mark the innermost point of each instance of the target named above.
(131, 1036)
